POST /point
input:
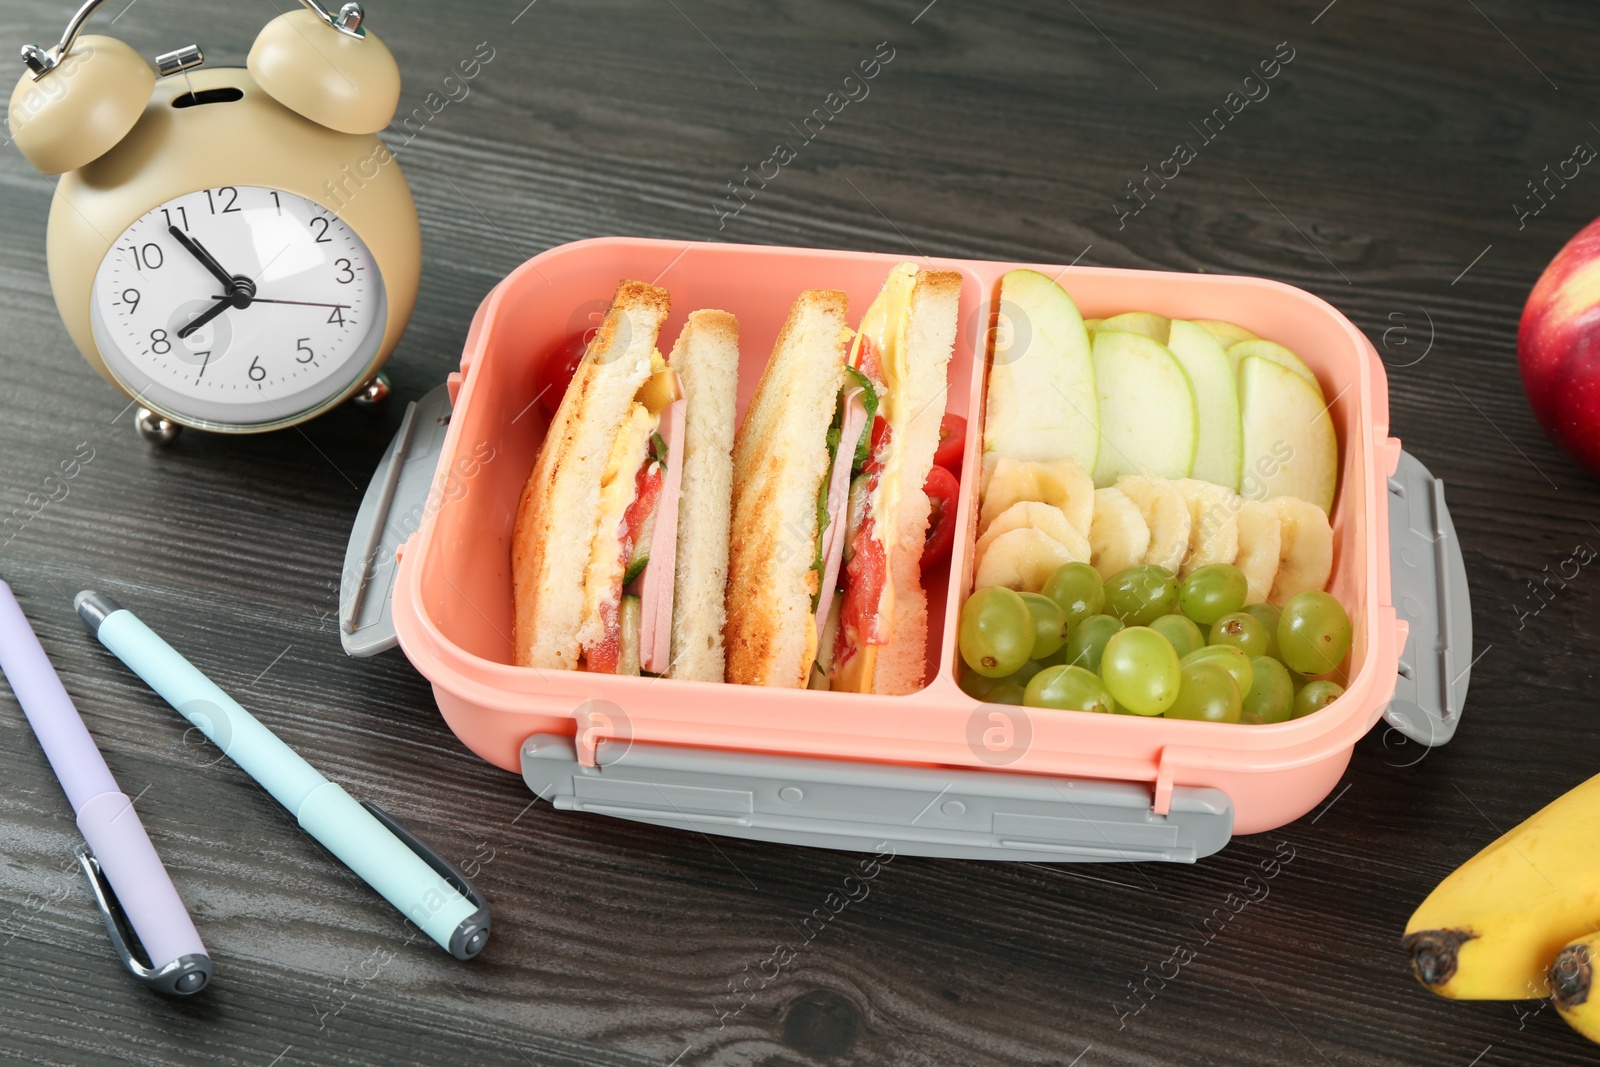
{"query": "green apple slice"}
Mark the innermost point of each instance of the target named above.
(1277, 354)
(1226, 333)
(1092, 324)
(1289, 443)
(1041, 402)
(1148, 323)
(1219, 455)
(1149, 422)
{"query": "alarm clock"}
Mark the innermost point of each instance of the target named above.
(234, 249)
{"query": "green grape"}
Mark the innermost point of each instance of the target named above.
(974, 684)
(1206, 693)
(1141, 594)
(1181, 633)
(1078, 590)
(1005, 693)
(1069, 689)
(996, 631)
(1049, 624)
(1316, 696)
(1021, 676)
(1213, 591)
(1271, 696)
(1314, 632)
(1141, 670)
(1243, 631)
(1268, 614)
(1088, 641)
(1230, 659)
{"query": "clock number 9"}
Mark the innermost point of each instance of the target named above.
(131, 298)
(257, 372)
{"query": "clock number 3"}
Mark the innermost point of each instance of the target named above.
(346, 274)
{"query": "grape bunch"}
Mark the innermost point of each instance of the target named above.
(1144, 643)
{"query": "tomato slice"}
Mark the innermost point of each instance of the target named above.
(867, 572)
(944, 493)
(952, 442)
(605, 657)
(556, 369)
(875, 451)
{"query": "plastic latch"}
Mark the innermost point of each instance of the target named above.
(1429, 580)
(870, 807)
(393, 509)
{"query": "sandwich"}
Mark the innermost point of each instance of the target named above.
(829, 512)
(603, 541)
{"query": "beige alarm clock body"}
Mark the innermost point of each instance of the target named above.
(234, 249)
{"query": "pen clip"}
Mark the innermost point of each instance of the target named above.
(473, 933)
(182, 977)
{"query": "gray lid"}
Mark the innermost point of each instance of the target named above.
(1429, 587)
(394, 507)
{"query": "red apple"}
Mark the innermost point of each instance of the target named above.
(1558, 348)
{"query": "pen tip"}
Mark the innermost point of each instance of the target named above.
(93, 608)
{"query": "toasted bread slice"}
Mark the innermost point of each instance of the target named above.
(558, 515)
(780, 457)
(706, 357)
(930, 335)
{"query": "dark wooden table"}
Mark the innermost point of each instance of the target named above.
(1380, 173)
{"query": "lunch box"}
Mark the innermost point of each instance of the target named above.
(934, 773)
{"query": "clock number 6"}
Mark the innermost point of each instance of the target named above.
(301, 346)
(257, 372)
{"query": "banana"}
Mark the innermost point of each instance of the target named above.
(1305, 556)
(1167, 515)
(1494, 926)
(1060, 482)
(1213, 523)
(1021, 559)
(1571, 979)
(1260, 543)
(1119, 537)
(1045, 517)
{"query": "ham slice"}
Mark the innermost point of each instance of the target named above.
(660, 574)
(855, 422)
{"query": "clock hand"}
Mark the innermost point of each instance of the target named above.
(207, 260)
(240, 295)
(205, 316)
(301, 303)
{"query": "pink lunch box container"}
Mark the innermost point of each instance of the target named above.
(932, 773)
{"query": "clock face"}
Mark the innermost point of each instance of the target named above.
(238, 307)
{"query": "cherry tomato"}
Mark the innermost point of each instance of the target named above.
(556, 369)
(943, 493)
(952, 442)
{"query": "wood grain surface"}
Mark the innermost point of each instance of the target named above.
(1380, 174)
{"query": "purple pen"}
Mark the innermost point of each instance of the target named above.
(130, 884)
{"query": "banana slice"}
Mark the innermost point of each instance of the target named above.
(1213, 523)
(1031, 514)
(1165, 512)
(1119, 536)
(1060, 482)
(1022, 559)
(1305, 559)
(1259, 546)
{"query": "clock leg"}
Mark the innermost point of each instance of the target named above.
(157, 429)
(374, 390)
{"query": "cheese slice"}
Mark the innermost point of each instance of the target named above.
(884, 326)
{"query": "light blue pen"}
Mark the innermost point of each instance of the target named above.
(425, 887)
